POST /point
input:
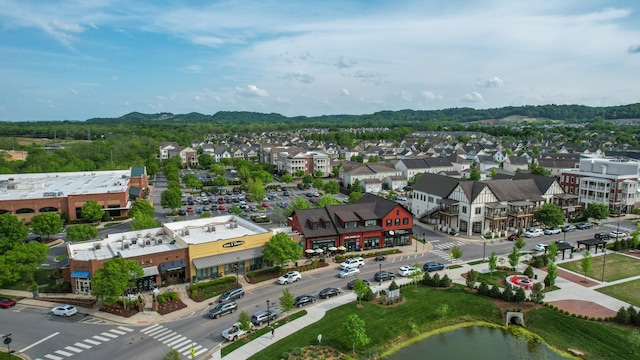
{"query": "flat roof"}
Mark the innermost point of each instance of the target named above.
(206, 230)
(62, 184)
(128, 244)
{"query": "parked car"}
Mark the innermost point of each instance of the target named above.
(223, 309)
(584, 225)
(348, 272)
(181, 212)
(234, 332)
(407, 270)
(433, 266)
(222, 207)
(602, 236)
(568, 228)
(540, 247)
(64, 310)
(285, 193)
(552, 231)
(381, 257)
(617, 234)
(512, 237)
(383, 276)
(351, 283)
(401, 198)
(303, 300)
(290, 277)
(262, 316)
(265, 204)
(231, 294)
(7, 303)
(531, 233)
(329, 292)
(352, 263)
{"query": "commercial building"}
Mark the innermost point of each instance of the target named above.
(27, 195)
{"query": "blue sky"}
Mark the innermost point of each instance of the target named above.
(74, 60)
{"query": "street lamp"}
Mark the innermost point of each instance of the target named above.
(416, 239)
(268, 314)
(424, 240)
(380, 275)
(604, 260)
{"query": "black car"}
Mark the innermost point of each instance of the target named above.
(181, 212)
(568, 228)
(383, 276)
(329, 292)
(223, 309)
(602, 236)
(380, 257)
(352, 283)
(303, 300)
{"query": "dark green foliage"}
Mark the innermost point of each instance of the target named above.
(472, 277)
(435, 280)
(483, 289)
(529, 271)
(445, 281)
(368, 295)
(393, 285)
(426, 278)
(519, 296)
(495, 292)
(622, 316)
(507, 294)
(547, 282)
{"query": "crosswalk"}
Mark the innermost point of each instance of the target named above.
(442, 250)
(87, 343)
(174, 340)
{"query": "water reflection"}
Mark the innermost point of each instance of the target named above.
(478, 343)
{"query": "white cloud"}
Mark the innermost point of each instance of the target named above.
(472, 97)
(429, 95)
(344, 63)
(344, 92)
(192, 69)
(198, 98)
(251, 90)
(300, 77)
(491, 82)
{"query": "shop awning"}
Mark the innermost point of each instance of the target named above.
(150, 271)
(81, 274)
(228, 258)
(173, 265)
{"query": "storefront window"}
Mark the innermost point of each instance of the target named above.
(371, 243)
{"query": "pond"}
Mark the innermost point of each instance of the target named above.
(477, 343)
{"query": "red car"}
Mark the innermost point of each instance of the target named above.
(222, 207)
(6, 303)
(220, 201)
(265, 204)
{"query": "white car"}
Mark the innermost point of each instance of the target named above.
(552, 231)
(64, 310)
(617, 234)
(539, 247)
(408, 270)
(290, 277)
(401, 198)
(531, 233)
(352, 263)
(234, 332)
(348, 272)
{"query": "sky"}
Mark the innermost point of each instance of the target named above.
(81, 59)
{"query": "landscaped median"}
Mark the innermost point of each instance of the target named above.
(388, 326)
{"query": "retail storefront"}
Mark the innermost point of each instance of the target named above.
(173, 272)
(82, 280)
(400, 237)
(214, 266)
(352, 242)
(323, 244)
(149, 279)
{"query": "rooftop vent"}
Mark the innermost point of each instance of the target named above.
(97, 246)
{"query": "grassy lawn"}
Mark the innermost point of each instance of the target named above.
(112, 224)
(492, 279)
(390, 325)
(627, 291)
(616, 267)
(61, 257)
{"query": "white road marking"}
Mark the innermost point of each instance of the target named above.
(38, 342)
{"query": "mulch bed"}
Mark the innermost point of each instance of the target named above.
(85, 303)
(170, 306)
(118, 309)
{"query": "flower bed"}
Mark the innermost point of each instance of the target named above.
(117, 308)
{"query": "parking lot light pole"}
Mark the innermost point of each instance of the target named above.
(604, 260)
(380, 275)
(268, 314)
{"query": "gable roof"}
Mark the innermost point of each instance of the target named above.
(435, 184)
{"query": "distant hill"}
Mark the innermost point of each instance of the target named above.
(552, 112)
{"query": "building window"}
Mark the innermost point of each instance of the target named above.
(478, 211)
(351, 225)
(397, 212)
(464, 209)
(431, 199)
(397, 221)
(389, 222)
(373, 222)
(405, 221)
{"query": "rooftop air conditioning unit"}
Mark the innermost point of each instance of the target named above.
(139, 236)
(125, 245)
(159, 241)
(134, 241)
(96, 246)
(186, 232)
(148, 235)
(147, 242)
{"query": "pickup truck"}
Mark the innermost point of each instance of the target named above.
(234, 332)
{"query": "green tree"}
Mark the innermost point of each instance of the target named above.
(327, 199)
(280, 249)
(356, 186)
(552, 251)
(173, 354)
(235, 209)
(471, 278)
(586, 263)
(537, 293)
(287, 178)
(318, 183)
(354, 196)
(143, 207)
(287, 301)
(13, 232)
(171, 198)
(494, 172)
(475, 174)
(245, 321)
(442, 310)
(191, 181)
(549, 214)
(416, 276)
(220, 181)
(307, 179)
(21, 261)
(206, 161)
(514, 257)
(226, 162)
(256, 190)
(520, 243)
(115, 276)
(493, 263)
(92, 211)
(456, 252)
(297, 204)
(47, 224)
(597, 211)
(355, 331)
(552, 273)
(538, 170)
(332, 187)
(360, 289)
(143, 221)
(81, 232)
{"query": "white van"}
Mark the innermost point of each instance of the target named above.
(352, 263)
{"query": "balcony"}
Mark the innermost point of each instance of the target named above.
(496, 215)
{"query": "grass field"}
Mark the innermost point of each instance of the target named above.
(615, 267)
(627, 292)
(387, 326)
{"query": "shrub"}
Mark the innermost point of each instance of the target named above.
(369, 295)
(494, 292)
(472, 276)
(393, 285)
(520, 296)
(507, 294)
(435, 280)
(426, 278)
(194, 293)
(622, 317)
(445, 281)
(483, 289)
(529, 271)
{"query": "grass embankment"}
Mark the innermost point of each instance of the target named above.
(627, 292)
(616, 267)
(388, 327)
